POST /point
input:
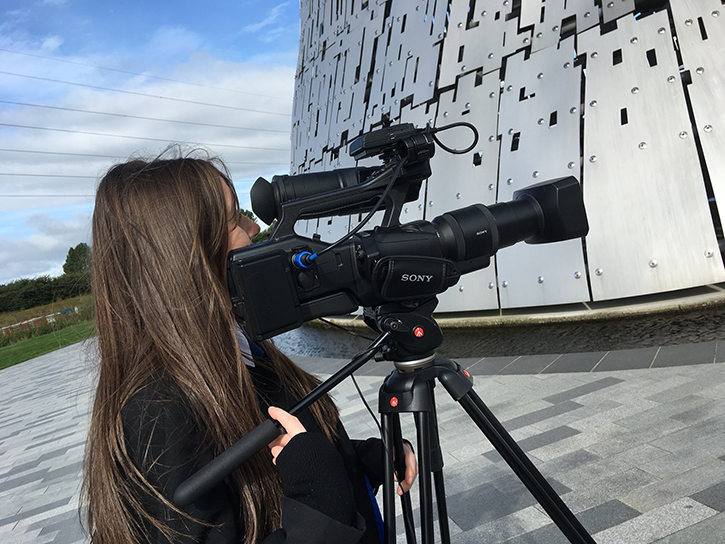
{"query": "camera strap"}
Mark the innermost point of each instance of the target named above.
(409, 277)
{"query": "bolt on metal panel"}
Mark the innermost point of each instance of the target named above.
(700, 27)
(650, 226)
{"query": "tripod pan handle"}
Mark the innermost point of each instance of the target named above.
(212, 474)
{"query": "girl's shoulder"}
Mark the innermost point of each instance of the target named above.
(158, 423)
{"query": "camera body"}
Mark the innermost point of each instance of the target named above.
(276, 286)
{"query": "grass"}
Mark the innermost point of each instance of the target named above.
(10, 318)
(40, 345)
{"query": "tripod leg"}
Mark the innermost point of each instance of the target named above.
(437, 469)
(422, 423)
(400, 470)
(524, 469)
(388, 484)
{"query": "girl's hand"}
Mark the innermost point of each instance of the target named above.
(411, 470)
(293, 427)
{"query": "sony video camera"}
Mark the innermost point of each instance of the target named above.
(277, 285)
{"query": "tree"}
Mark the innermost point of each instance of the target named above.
(248, 214)
(264, 234)
(78, 260)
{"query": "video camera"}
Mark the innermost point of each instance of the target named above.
(277, 285)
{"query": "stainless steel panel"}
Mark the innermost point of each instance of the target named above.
(461, 180)
(540, 118)
(413, 34)
(539, 123)
(478, 43)
(704, 59)
(613, 9)
(548, 18)
(651, 229)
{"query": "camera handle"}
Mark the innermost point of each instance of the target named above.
(213, 473)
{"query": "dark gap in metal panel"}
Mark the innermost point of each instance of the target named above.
(543, 12)
(616, 57)
(402, 26)
(477, 158)
(460, 53)
(415, 74)
(568, 27)
(522, 94)
(623, 117)
(686, 79)
(652, 58)
(515, 10)
(388, 6)
(553, 119)
(471, 12)
(703, 31)
(515, 141)
(497, 16)
(479, 78)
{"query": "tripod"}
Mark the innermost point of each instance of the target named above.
(408, 336)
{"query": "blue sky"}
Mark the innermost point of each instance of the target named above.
(234, 60)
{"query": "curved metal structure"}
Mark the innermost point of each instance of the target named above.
(627, 96)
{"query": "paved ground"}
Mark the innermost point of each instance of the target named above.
(634, 441)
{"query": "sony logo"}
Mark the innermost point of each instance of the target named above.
(416, 277)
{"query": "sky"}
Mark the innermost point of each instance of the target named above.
(86, 84)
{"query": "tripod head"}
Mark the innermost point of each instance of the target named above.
(413, 333)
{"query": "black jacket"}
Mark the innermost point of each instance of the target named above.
(326, 498)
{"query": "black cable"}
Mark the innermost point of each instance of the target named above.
(25, 104)
(370, 214)
(55, 59)
(146, 95)
(137, 137)
(433, 132)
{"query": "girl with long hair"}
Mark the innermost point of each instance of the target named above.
(178, 382)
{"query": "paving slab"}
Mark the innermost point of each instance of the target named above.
(637, 453)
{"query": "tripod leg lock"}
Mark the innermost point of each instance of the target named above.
(454, 378)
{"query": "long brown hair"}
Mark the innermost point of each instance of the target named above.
(159, 249)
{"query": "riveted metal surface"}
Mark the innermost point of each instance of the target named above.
(544, 86)
(479, 39)
(365, 64)
(551, 20)
(645, 193)
(459, 180)
(702, 44)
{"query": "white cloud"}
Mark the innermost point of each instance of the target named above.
(51, 43)
(44, 251)
(174, 40)
(41, 244)
(271, 17)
